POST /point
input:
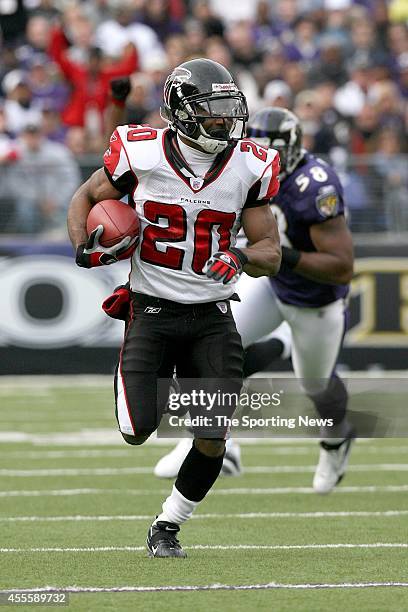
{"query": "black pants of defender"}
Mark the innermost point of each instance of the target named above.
(200, 340)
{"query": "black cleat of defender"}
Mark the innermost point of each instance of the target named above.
(162, 541)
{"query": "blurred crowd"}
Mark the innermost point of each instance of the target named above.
(340, 65)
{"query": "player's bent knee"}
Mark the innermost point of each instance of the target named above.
(135, 440)
(210, 447)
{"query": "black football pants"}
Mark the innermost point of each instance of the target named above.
(200, 340)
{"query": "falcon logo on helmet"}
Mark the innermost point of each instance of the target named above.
(197, 91)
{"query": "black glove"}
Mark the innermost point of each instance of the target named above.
(225, 265)
(120, 89)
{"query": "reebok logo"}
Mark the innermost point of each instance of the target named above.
(152, 309)
(222, 307)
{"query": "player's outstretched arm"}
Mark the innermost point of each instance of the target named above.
(116, 112)
(264, 254)
(333, 261)
(95, 189)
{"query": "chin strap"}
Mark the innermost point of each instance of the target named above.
(209, 145)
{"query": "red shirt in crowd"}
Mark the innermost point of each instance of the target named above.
(89, 89)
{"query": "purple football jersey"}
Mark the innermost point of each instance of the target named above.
(311, 194)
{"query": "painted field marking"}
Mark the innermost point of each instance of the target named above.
(257, 469)
(207, 587)
(92, 549)
(130, 452)
(241, 491)
(243, 515)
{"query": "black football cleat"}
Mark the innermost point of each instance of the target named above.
(162, 541)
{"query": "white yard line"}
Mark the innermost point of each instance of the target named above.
(98, 380)
(240, 491)
(111, 437)
(130, 452)
(92, 549)
(207, 587)
(257, 469)
(244, 515)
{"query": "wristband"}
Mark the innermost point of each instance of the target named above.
(243, 259)
(290, 257)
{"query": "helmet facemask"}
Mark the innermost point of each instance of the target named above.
(212, 120)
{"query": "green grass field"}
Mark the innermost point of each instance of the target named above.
(76, 503)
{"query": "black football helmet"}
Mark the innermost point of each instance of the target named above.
(278, 128)
(199, 90)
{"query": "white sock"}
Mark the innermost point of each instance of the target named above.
(177, 508)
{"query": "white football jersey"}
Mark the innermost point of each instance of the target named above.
(184, 218)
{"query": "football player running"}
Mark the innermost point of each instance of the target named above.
(194, 184)
(309, 292)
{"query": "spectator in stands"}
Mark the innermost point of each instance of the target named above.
(277, 93)
(397, 36)
(331, 63)
(271, 66)
(13, 19)
(387, 101)
(139, 102)
(306, 108)
(295, 77)
(8, 156)
(365, 128)
(241, 43)
(212, 25)
(390, 164)
(303, 47)
(262, 27)
(351, 97)
(76, 141)
(195, 37)
(19, 107)
(115, 33)
(333, 130)
(157, 16)
(43, 180)
(47, 89)
(37, 35)
(365, 42)
(89, 80)
(176, 50)
(284, 15)
(231, 11)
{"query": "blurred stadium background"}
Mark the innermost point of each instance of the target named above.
(342, 66)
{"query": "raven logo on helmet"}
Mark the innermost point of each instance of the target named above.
(278, 128)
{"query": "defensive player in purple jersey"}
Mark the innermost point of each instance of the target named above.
(307, 298)
(310, 291)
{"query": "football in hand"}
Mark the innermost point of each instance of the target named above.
(118, 219)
